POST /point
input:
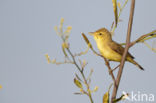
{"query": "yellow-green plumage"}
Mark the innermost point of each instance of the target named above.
(109, 48)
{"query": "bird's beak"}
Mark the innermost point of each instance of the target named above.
(91, 33)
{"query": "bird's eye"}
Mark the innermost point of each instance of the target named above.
(100, 33)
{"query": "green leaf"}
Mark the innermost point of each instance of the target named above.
(78, 83)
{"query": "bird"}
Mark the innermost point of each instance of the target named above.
(110, 49)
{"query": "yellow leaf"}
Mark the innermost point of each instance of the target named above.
(106, 97)
(86, 40)
(84, 63)
(69, 28)
(81, 90)
(77, 83)
(96, 88)
(119, 5)
(48, 58)
(62, 21)
(54, 61)
(115, 11)
(0, 86)
(61, 25)
(64, 46)
(67, 32)
(153, 49)
(56, 30)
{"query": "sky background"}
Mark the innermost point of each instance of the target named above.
(27, 34)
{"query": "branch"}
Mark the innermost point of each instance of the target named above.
(144, 37)
(65, 47)
(115, 89)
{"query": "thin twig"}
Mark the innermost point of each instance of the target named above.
(115, 89)
(83, 76)
(116, 67)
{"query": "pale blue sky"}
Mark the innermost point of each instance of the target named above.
(27, 34)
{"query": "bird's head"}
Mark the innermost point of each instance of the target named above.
(101, 34)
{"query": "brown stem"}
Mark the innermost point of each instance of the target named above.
(115, 89)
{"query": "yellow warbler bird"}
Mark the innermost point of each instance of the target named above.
(110, 49)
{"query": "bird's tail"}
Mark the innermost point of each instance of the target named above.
(135, 63)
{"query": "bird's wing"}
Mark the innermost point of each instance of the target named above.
(118, 48)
